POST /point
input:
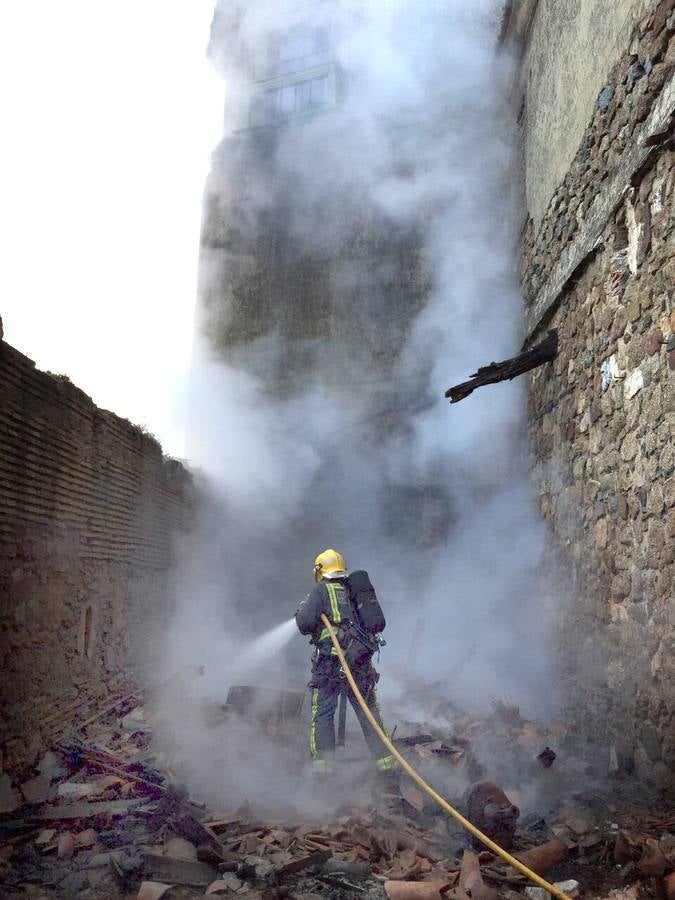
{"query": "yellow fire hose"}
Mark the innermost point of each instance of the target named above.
(490, 844)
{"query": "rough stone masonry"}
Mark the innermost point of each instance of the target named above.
(601, 269)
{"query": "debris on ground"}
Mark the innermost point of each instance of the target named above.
(491, 811)
(101, 818)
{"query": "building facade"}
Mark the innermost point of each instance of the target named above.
(594, 97)
(295, 258)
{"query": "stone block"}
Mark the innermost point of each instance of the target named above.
(650, 443)
(620, 323)
(600, 534)
(653, 342)
(629, 447)
(653, 403)
(650, 739)
(669, 485)
(663, 777)
(642, 109)
(656, 536)
(622, 507)
(633, 384)
(638, 611)
(663, 662)
(616, 394)
(664, 577)
(620, 589)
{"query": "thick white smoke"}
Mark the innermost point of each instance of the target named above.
(435, 502)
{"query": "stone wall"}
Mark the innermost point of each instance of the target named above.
(89, 511)
(601, 270)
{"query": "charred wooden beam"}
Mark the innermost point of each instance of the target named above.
(508, 369)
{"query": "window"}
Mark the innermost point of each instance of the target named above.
(289, 99)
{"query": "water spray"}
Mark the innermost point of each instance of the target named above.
(266, 645)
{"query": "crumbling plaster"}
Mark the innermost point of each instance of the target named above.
(568, 52)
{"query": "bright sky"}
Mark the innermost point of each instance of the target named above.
(109, 112)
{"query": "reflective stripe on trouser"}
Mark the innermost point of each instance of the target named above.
(386, 763)
(312, 726)
(322, 728)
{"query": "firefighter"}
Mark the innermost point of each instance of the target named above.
(332, 597)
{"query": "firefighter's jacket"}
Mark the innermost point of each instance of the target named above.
(330, 597)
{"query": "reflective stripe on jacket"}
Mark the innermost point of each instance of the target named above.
(332, 599)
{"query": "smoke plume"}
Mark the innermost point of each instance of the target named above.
(330, 428)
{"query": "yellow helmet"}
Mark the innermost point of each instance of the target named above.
(329, 564)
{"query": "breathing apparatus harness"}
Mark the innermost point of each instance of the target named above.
(357, 617)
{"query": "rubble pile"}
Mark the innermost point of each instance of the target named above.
(101, 816)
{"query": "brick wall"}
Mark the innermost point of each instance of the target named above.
(89, 509)
(601, 269)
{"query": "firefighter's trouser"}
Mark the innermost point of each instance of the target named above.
(325, 691)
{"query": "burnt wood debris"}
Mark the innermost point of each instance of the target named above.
(544, 352)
